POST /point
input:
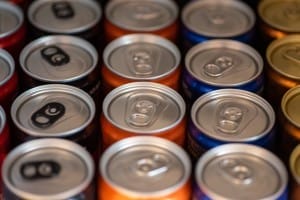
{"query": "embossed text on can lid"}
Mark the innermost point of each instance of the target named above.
(44, 169)
(283, 56)
(283, 15)
(214, 18)
(64, 17)
(233, 115)
(294, 164)
(224, 63)
(2, 119)
(7, 66)
(58, 58)
(53, 110)
(251, 171)
(144, 107)
(141, 57)
(160, 165)
(136, 15)
(290, 106)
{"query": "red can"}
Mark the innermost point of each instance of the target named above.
(21, 3)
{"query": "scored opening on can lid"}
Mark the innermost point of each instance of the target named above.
(294, 164)
(53, 110)
(7, 66)
(214, 18)
(58, 58)
(44, 169)
(160, 165)
(141, 56)
(64, 17)
(290, 105)
(224, 63)
(241, 171)
(144, 107)
(147, 15)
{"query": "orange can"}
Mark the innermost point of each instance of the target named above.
(158, 17)
(144, 168)
(143, 108)
(294, 166)
(140, 57)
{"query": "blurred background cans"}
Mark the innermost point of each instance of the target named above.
(48, 169)
(144, 167)
(240, 171)
(294, 166)
(143, 108)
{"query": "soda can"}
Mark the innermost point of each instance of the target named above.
(144, 167)
(159, 17)
(55, 110)
(294, 166)
(143, 108)
(240, 171)
(48, 169)
(214, 19)
(21, 3)
(230, 116)
(140, 57)
(218, 64)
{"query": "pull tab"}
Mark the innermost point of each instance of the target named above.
(293, 54)
(48, 114)
(62, 10)
(146, 13)
(153, 165)
(219, 66)
(230, 119)
(55, 56)
(292, 12)
(40, 169)
(217, 18)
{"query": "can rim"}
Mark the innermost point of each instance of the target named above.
(146, 140)
(293, 158)
(2, 119)
(9, 59)
(41, 144)
(285, 99)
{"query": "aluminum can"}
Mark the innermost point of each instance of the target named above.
(214, 19)
(56, 110)
(218, 64)
(294, 166)
(143, 108)
(159, 17)
(144, 168)
(21, 3)
(140, 57)
(48, 169)
(230, 116)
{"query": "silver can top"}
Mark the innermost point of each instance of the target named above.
(58, 59)
(44, 169)
(64, 16)
(144, 107)
(224, 63)
(294, 164)
(54, 110)
(241, 171)
(145, 166)
(214, 18)
(141, 57)
(2, 119)
(7, 66)
(136, 15)
(233, 115)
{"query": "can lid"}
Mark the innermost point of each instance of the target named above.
(44, 169)
(295, 163)
(7, 66)
(2, 119)
(54, 110)
(145, 166)
(64, 17)
(147, 15)
(233, 115)
(58, 59)
(254, 172)
(144, 107)
(290, 105)
(283, 15)
(282, 56)
(214, 18)
(11, 19)
(224, 63)
(141, 57)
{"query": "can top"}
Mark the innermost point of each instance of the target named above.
(11, 20)
(54, 110)
(141, 57)
(290, 105)
(233, 115)
(224, 63)
(294, 164)
(214, 18)
(7, 66)
(144, 107)
(282, 56)
(44, 169)
(58, 59)
(160, 167)
(254, 172)
(282, 15)
(64, 16)
(2, 119)
(147, 15)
